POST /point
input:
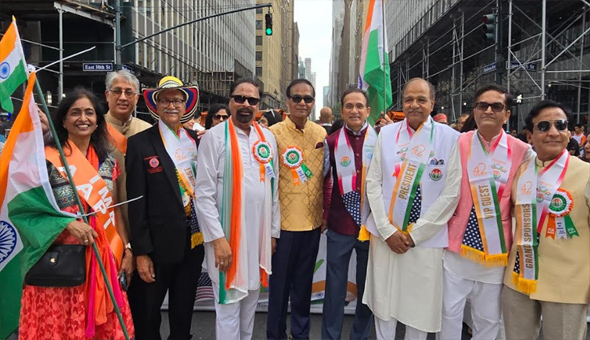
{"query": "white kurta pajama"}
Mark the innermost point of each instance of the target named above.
(408, 287)
(233, 322)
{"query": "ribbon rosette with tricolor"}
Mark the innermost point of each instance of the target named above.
(293, 159)
(560, 222)
(263, 154)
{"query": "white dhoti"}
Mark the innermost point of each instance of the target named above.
(485, 307)
(235, 320)
(385, 330)
(407, 287)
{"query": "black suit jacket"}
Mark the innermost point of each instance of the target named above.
(158, 223)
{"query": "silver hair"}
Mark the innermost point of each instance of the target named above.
(124, 75)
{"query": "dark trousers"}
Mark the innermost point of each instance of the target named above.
(292, 273)
(339, 250)
(145, 299)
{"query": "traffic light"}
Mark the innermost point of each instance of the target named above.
(268, 21)
(489, 27)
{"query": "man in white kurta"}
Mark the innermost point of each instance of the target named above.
(404, 273)
(236, 309)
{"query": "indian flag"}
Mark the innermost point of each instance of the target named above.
(30, 219)
(374, 67)
(13, 68)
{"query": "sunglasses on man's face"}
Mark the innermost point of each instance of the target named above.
(242, 99)
(297, 99)
(545, 125)
(483, 106)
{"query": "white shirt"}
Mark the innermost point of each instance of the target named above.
(210, 171)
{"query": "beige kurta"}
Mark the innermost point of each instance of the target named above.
(408, 287)
(132, 127)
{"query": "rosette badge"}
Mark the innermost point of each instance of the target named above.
(263, 154)
(560, 223)
(293, 158)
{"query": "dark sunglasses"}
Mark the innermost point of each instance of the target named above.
(242, 100)
(483, 106)
(297, 99)
(545, 125)
(224, 117)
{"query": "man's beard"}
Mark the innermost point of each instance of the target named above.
(243, 118)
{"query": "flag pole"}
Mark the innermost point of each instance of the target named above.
(80, 206)
(383, 56)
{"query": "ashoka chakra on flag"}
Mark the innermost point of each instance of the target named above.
(7, 240)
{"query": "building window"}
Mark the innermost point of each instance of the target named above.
(259, 71)
(258, 24)
(259, 11)
(259, 40)
(258, 55)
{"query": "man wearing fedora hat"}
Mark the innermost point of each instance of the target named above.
(165, 234)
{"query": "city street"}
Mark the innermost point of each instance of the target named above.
(203, 327)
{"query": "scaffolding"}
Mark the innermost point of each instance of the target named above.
(541, 52)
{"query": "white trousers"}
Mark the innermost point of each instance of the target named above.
(235, 320)
(485, 307)
(385, 330)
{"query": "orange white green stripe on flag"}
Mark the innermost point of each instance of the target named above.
(29, 215)
(374, 66)
(13, 68)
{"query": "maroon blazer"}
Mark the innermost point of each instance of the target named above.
(339, 219)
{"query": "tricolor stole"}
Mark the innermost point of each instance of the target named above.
(182, 149)
(94, 192)
(418, 150)
(355, 202)
(232, 216)
(293, 158)
(488, 175)
(537, 195)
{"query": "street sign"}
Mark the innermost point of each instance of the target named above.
(127, 68)
(97, 67)
(531, 67)
(489, 68)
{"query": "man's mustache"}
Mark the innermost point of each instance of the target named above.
(246, 110)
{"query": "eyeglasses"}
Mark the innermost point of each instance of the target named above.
(128, 93)
(242, 99)
(483, 106)
(297, 99)
(545, 125)
(222, 117)
(165, 102)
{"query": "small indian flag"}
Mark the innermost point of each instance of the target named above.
(374, 66)
(13, 68)
(30, 218)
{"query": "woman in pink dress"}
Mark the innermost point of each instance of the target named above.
(85, 311)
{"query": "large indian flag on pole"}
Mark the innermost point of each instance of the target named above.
(13, 68)
(30, 219)
(374, 66)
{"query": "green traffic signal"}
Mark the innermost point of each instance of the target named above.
(268, 21)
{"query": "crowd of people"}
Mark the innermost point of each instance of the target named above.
(436, 215)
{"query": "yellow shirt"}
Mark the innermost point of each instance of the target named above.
(301, 205)
(564, 264)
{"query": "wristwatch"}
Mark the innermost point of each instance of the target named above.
(128, 246)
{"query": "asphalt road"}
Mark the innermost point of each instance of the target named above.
(203, 327)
